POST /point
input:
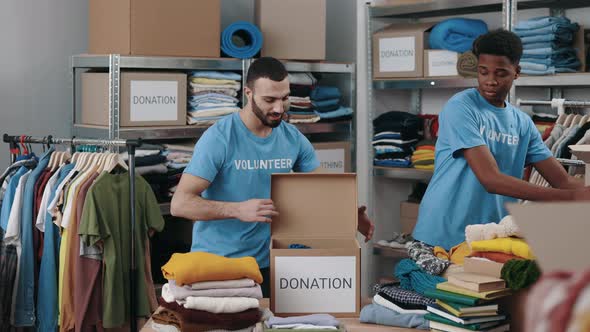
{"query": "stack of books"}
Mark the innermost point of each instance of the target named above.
(465, 303)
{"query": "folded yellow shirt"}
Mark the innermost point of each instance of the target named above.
(423, 152)
(456, 255)
(211, 81)
(202, 266)
(425, 167)
(507, 245)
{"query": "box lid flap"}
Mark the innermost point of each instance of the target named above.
(400, 27)
(314, 205)
(556, 232)
(581, 151)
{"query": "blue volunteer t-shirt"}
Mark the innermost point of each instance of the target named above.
(239, 165)
(455, 198)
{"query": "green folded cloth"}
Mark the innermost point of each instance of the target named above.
(520, 273)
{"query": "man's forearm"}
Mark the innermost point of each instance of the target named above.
(510, 186)
(197, 208)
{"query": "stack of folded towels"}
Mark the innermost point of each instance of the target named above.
(212, 95)
(309, 323)
(396, 134)
(326, 102)
(301, 109)
(210, 292)
(548, 45)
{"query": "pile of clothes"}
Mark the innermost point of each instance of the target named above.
(423, 156)
(210, 292)
(212, 95)
(548, 45)
(396, 135)
(315, 322)
(456, 34)
(178, 157)
(301, 109)
(326, 101)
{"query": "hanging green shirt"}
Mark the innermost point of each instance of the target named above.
(106, 219)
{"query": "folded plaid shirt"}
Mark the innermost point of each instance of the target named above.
(402, 295)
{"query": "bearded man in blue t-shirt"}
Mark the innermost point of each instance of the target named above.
(226, 186)
(483, 147)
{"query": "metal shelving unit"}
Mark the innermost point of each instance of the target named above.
(114, 63)
(410, 174)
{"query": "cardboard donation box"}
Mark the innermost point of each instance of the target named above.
(147, 99)
(334, 156)
(292, 29)
(408, 216)
(155, 27)
(318, 211)
(440, 63)
(398, 50)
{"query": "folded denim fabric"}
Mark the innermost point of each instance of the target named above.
(456, 34)
(223, 75)
(540, 22)
(565, 37)
(554, 28)
(325, 93)
(551, 44)
(567, 61)
(404, 163)
(549, 71)
(326, 102)
(341, 111)
(549, 53)
(377, 314)
(524, 65)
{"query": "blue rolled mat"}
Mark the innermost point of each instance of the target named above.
(241, 40)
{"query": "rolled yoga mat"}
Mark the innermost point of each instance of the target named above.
(241, 40)
(467, 64)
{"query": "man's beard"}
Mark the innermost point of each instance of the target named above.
(264, 119)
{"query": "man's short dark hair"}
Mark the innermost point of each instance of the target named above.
(499, 42)
(266, 67)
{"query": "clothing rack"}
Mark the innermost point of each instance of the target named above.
(131, 145)
(559, 103)
(571, 162)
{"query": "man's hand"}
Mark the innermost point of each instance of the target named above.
(256, 210)
(366, 226)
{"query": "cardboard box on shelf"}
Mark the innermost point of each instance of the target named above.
(155, 27)
(334, 156)
(147, 99)
(398, 50)
(292, 29)
(408, 216)
(320, 211)
(482, 266)
(439, 63)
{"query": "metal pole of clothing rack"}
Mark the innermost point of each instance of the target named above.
(559, 103)
(571, 162)
(131, 145)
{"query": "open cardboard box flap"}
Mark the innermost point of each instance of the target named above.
(556, 232)
(314, 205)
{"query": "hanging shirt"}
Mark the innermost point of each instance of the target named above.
(9, 197)
(13, 236)
(106, 219)
(455, 198)
(25, 299)
(239, 165)
(47, 301)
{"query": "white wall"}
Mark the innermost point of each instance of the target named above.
(37, 38)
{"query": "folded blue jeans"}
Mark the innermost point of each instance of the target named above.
(551, 44)
(566, 37)
(542, 21)
(549, 71)
(556, 28)
(377, 314)
(543, 53)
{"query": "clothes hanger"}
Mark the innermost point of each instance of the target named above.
(568, 120)
(561, 119)
(584, 119)
(576, 118)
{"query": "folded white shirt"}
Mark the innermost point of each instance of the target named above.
(217, 305)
